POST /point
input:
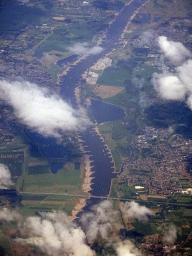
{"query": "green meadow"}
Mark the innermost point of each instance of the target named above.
(39, 179)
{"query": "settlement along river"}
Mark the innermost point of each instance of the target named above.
(102, 164)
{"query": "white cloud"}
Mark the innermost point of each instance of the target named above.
(169, 87)
(170, 234)
(82, 48)
(5, 177)
(55, 234)
(127, 248)
(177, 86)
(95, 50)
(100, 222)
(136, 211)
(185, 74)
(175, 51)
(7, 215)
(40, 110)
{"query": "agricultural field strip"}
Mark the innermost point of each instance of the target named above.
(101, 197)
(41, 202)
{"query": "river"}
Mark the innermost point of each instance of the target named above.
(103, 166)
(70, 81)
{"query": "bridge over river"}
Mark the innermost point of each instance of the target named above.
(106, 198)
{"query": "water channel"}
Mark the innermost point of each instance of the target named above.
(102, 165)
(102, 162)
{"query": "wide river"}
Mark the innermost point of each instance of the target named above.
(103, 166)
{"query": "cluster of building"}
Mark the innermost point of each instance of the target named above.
(164, 169)
(162, 155)
(156, 246)
(91, 76)
(29, 72)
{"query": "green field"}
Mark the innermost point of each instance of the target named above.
(54, 71)
(143, 228)
(66, 36)
(186, 199)
(69, 205)
(114, 78)
(105, 130)
(39, 180)
(57, 198)
(113, 191)
(47, 203)
(33, 197)
(38, 169)
(68, 176)
(147, 71)
(128, 191)
(31, 209)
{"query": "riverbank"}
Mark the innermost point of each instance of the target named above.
(108, 149)
(78, 60)
(86, 187)
(126, 30)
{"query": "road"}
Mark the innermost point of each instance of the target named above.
(103, 197)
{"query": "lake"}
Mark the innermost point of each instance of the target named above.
(105, 112)
(67, 60)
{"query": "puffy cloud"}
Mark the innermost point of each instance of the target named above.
(40, 110)
(127, 248)
(78, 48)
(175, 51)
(185, 74)
(7, 215)
(169, 87)
(55, 234)
(136, 211)
(82, 48)
(177, 86)
(5, 177)
(100, 222)
(147, 38)
(170, 234)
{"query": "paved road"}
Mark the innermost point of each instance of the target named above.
(103, 197)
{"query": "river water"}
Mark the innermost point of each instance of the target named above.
(102, 164)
